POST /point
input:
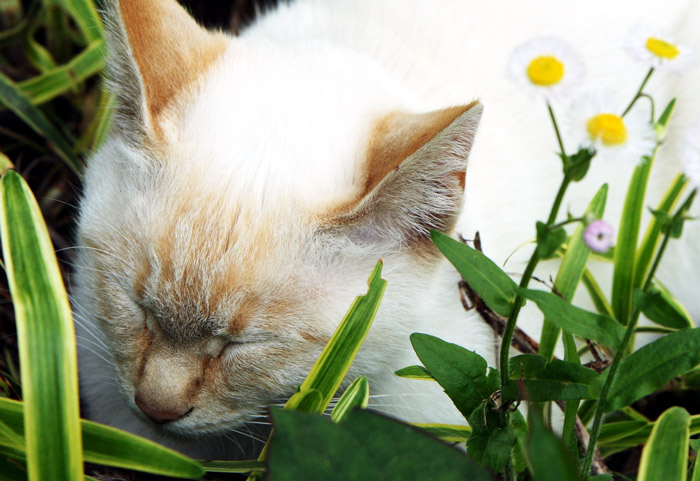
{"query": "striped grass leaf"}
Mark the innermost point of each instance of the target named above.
(99, 126)
(653, 234)
(571, 270)
(113, 447)
(45, 336)
(638, 437)
(626, 260)
(356, 395)
(450, 433)
(85, 15)
(14, 99)
(63, 78)
(665, 455)
(241, 467)
(335, 360)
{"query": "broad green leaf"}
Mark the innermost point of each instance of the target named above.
(464, 375)
(576, 165)
(549, 458)
(335, 360)
(46, 337)
(113, 447)
(548, 241)
(652, 238)
(571, 270)
(649, 368)
(535, 379)
(59, 80)
(627, 238)
(665, 455)
(14, 99)
(415, 372)
(365, 446)
(487, 279)
(450, 433)
(233, 466)
(662, 308)
(490, 442)
(577, 321)
(356, 395)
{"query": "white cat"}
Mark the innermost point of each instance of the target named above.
(249, 185)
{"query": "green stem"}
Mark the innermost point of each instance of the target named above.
(556, 130)
(595, 429)
(639, 92)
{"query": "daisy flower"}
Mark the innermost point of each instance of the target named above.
(659, 50)
(594, 119)
(689, 153)
(598, 236)
(546, 66)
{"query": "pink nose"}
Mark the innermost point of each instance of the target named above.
(160, 416)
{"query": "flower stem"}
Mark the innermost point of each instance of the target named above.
(639, 91)
(556, 129)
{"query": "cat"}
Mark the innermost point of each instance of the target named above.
(249, 184)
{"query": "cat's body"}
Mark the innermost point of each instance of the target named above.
(250, 185)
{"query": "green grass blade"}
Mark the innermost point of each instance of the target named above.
(414, 372)
(571, 270)
(48, 358)
(666, 454)
(627, 238)
(113, 447)
(61, 79)
(653, 233)
(233, 466)
(85, 15)
(356, 395)
(14, 99)
(450, 433)
(335, 360)
(596, 294)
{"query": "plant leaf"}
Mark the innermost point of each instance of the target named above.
(233, 466)
(415, 372)
(464, 375)
(46, 338)
(363, 447)
(548, 241)
(335, 360)
(571, 270)
(650, 367)
(490, 442)
(549, 458)
(356, 395)
(14, 99)
(450, 433)
(665, 455)
(577, 321)
(660, 307)
(113, 447)
(488, 280)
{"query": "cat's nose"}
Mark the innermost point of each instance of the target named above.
(159, 415)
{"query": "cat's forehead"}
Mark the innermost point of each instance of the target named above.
(284, 120)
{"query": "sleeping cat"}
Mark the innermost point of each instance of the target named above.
(250, 183)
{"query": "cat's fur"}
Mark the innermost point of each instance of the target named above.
(250, 184)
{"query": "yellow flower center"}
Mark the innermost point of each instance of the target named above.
(609, 128)
(662, 49)
(545, 71)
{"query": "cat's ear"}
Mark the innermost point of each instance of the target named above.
(157, 52)
(414, 176)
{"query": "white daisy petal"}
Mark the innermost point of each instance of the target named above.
(546, 66)
(658, 49)
(596, 122)
(689, 154)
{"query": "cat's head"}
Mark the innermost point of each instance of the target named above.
(246, 190)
